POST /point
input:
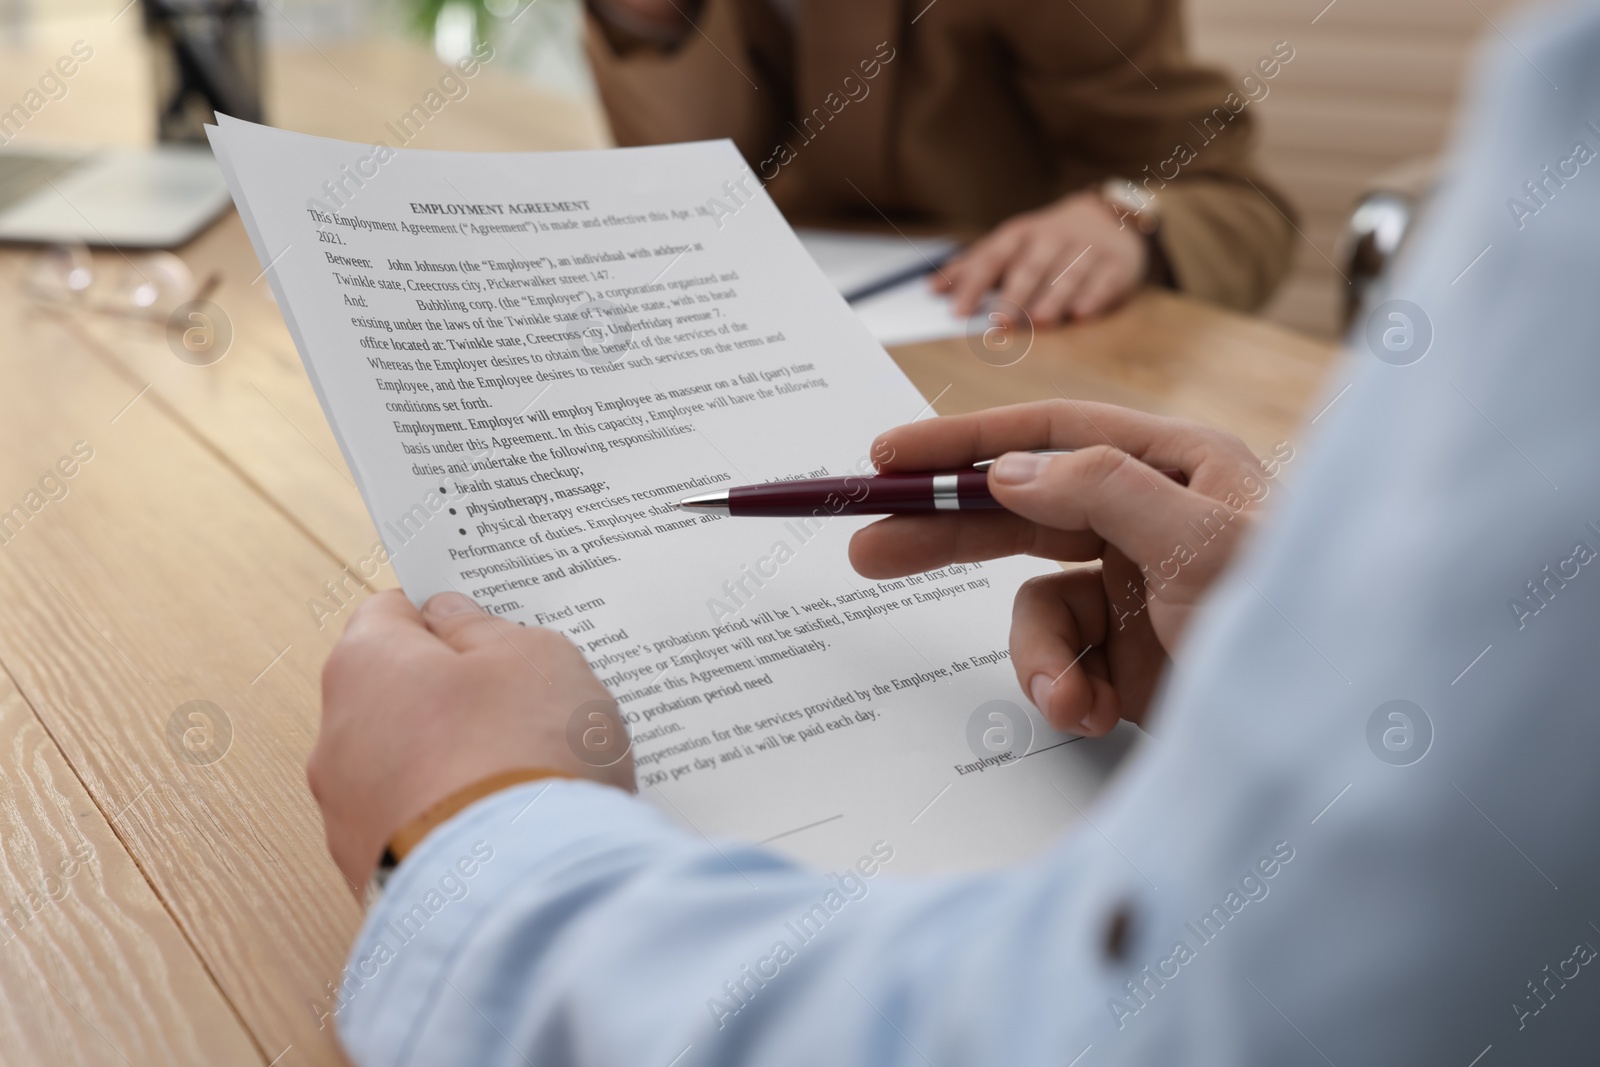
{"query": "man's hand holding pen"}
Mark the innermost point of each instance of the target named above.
(1088, 644)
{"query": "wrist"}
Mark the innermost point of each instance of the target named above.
(405, 839)
(1133, 206)
(410, 833)
(1140, 210)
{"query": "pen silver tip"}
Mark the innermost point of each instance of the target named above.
(716, 503)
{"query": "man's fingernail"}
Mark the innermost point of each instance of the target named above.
(1084, 727)
(1019, 468)
(446, 604)
(1039, 690)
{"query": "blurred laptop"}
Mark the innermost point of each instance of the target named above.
(129, 198)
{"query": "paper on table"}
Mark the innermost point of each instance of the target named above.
(912, 312)
(527, 358)
(853, 261)
(908, 312)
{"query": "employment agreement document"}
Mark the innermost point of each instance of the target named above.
(529, 358)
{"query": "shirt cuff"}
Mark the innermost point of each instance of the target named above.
(401, 961)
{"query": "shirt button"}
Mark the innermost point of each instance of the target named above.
(1118, 933)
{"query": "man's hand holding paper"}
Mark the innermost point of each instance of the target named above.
(418, 705)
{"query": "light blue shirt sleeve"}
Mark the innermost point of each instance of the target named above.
(1289, 873)
(592, 930)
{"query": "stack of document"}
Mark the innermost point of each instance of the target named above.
(528, 358)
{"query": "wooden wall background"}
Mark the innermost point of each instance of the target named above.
(1373, 83)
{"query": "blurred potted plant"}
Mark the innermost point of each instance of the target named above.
(540, 38)
(450, 23)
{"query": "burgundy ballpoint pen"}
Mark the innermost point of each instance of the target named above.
(879, 494)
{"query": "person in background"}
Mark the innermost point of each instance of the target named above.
(1094, 154)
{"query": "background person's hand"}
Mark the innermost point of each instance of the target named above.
(1088, 645)
(416, 705)
(1075, 258)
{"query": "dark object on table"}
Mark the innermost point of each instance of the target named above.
(208, 59)
(1379, 224)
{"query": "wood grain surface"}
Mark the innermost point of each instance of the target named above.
(155, 577)
(1162, 353)
(78, 921)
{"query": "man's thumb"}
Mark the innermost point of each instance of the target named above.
(462, 624)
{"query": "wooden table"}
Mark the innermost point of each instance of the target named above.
(169, 910)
